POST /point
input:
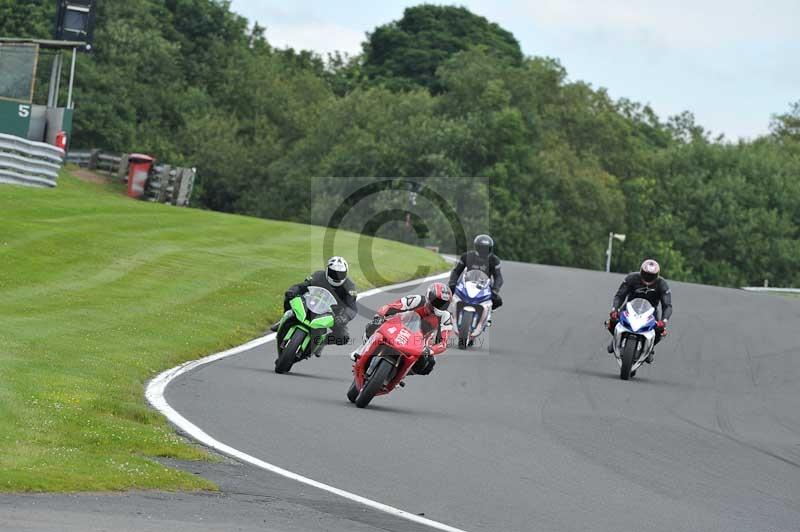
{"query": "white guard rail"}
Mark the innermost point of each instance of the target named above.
(770, 289)
(24, 162)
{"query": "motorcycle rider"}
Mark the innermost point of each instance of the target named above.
(432, 308)
(334, 279)
(647, 284)
(481, 258)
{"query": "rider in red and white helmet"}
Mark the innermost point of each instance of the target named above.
(433, 309)
(650, 272)
(647, 284)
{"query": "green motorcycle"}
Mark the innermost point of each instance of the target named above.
(303, 329)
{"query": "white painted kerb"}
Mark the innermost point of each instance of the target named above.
(155, 395)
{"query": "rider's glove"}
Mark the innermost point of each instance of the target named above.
(339, 319)
(614, 314)
(427, 361)
(294, 292)
(378, 319)
(661, 326)
(452, 288)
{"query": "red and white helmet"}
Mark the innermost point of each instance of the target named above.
(438, 298)
(650, 271)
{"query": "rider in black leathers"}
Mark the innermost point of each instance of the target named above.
(482, 258)
(646, 284)
(334, 279)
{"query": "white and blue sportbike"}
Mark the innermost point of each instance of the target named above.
(473, 300)
(634, 336)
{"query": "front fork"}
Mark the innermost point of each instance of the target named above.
(619, 343)
(281, 334)
(642, 344)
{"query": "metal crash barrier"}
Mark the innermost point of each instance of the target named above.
(25, 162)
(161, 183)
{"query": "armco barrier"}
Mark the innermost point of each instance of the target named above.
(165, 184)
(769, 289)
(24, 162)
(81, 158)
(171, 184)
(102, 162)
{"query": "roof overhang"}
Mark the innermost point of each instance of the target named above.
(45, 43)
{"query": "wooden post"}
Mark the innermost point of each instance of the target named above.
(93, 159)
(122, 172)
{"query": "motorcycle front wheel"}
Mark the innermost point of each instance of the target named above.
(288, 356)
(464, 329)
(352, 393)
(374, 383)
(628, 356)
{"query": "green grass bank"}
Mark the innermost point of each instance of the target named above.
(99, 293)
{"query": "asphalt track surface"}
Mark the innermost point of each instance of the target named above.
(534, 430)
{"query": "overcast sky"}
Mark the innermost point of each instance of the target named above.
(732, 63)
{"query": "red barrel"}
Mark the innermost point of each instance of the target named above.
(139, 166)
(61, 140)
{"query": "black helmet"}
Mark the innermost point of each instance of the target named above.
(484, 245)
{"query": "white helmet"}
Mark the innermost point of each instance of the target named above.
(336, 271)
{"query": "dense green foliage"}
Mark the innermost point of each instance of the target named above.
(441, 92)
(408, 52)
(27, 18)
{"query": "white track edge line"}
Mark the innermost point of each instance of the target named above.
(155, 396)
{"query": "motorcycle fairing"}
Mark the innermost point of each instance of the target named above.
(636, 322)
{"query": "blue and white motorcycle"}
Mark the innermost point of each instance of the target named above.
(634, 336)
(473, 301)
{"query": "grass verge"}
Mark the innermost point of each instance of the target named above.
(99, 293)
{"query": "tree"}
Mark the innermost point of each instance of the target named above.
(33, 19)
(547, 165)
(787, 125)
(407, 53)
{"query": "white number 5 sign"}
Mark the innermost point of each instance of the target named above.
(24, 111)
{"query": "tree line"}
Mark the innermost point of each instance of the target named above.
(439, 93)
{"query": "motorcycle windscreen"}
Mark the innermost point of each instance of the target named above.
(475, 286)
(478, 277)
(411, 321)
(410, 337)
(640, 306)
(640, 314)
(318, 300)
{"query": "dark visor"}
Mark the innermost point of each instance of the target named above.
(440, 304)
(337, 276)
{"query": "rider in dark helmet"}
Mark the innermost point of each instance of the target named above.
(433, 309)
(647, 284)
(335, 280)
(484, 259)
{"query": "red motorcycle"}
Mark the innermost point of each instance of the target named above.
(388, 356)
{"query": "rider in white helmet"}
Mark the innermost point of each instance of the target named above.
(647, 284)
(334, 279)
